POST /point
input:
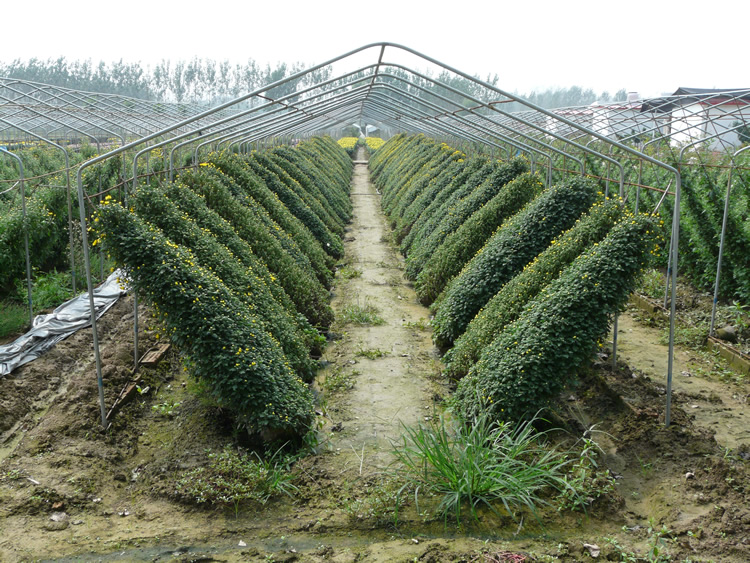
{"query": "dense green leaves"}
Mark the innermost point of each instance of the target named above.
(154, 206)
(514, 245)
(533, 358)
(241, 366)
(465, 230)
(308, 295)
(236, 277)
(506, 306)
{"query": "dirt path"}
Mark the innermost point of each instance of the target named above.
(714, 404)
(389, 364)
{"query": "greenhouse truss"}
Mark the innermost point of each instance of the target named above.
(640, 148)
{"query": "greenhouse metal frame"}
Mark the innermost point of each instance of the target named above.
(395, 95)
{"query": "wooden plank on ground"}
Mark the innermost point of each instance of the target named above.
(154, 355)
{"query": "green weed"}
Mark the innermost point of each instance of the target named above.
(371, 353)
(361, 314)
(479, 463)
(339, 380)
(587, 480)
(378, 504)
(14, 318)
(348, 273)
(421, 324)
(232, 477)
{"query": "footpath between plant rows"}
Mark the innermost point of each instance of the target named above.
(387, 365)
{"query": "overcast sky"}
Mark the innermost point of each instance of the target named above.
(649, 47)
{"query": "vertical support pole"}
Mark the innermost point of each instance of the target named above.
(70, 223)
(90, 286)
(721, 253)
(672, 314)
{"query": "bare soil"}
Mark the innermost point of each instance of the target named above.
(70, 491)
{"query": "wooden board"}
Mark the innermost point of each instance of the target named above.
(154, 355)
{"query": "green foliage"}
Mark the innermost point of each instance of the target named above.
(588, 482)
(195, 209)
(463, 184)
(46, 224)
(514, 245)
(509, 302)
(241, 366)
(479, 463)
(338, 380)
(232, 477)
(533, 358)
(461, 209)
(438, 189)
(334, 195)
(312, 198)
(254, 187)
(348, 273)
(308, 295)
(299, 206)
(361, 313)
(463, 234)
(371, 353)
(48, 290)
(153, 205)
(14, 318)
(435, 161)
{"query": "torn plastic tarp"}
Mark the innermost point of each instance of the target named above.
(48, 330)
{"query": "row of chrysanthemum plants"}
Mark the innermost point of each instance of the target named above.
(236, 258)
(523, 280)
(350, 144)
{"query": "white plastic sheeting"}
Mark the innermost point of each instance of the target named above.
(48, 330)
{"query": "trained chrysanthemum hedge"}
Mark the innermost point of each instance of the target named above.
(463, 184)
(308, 295)
(514, 245)
(298, 204)
(241, 367)
(533, 358)
(438, 189)
(465, 233)
(349, 144)
(507, 304)
(238, 277)
(253, 187)
(508, 262)
(154, 206)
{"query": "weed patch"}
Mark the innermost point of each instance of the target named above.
(361, 314)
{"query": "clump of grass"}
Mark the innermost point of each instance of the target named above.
(481, 462)
(421, 324)
(361, 314)
(348, 273)
(378, 504)
(49, 289)
(371, 353)
(339, 380)
(651, 284)
(231, 477)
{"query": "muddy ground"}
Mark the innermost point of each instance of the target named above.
(70, 491)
